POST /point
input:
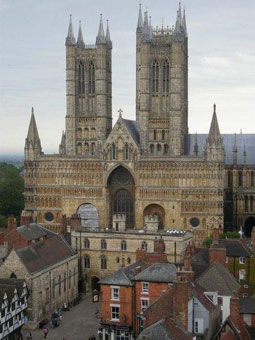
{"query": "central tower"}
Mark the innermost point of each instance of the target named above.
(88, 93)
(162, 86)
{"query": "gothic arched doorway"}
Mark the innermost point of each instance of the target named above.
(94, 283)
(248, 225)
(155, 210)
(121, 188)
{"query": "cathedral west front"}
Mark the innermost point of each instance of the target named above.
(147, 175)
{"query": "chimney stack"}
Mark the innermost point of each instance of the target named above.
(215, 235)
(12, 223)
(180, 302)
(235, 308)
(25, 220)
(159, 246)
(75, 221)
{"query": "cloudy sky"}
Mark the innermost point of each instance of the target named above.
(32, 64)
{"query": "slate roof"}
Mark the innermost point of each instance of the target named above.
(34, 231)
(247, 305)
(218, 279)
(228, 139)
(164, 329)
(123, 276)
(45, 253)
(133, 128)
(158, 272)
(196, 290)
(235, 248)
(200, 261)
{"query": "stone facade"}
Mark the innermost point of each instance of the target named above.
(48, 288)
(147, 167)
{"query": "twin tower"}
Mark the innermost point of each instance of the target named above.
(161, 89)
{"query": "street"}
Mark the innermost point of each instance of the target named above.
(78, 324)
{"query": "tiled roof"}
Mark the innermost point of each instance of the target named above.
(46, 253)
(247, 140)
(247, 305)
(218, 279)
(158, 272)
(200, 261)
(123, 276)
(34, 231)
(235, 248)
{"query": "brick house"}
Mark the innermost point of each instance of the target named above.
(247, 310)
(50, 268)
(13, 304)
(129, 296)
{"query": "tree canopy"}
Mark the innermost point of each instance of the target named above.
(11, 192)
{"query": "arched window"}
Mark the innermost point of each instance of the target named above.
(86, 243)
(152, 148)
(79, 133)
(166, 77)
(103, 262)
(158, 149)
(79, 148)
(240, 178)
(91, 78)
(155, 77)
(93, 148)
(229, 178)
(86, 261)
(103, 244)
(144, 245)
(126, 151)
(246, 203)
(81, 80)
(123, 245)
(113, 151)
(252, 178)
(86, 133)
(93, 133)
(163, 135)
(13, 276)
(155, 134)
(166, 148)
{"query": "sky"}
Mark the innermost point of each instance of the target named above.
(32, 62)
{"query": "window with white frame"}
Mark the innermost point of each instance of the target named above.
(145, 287)
(242, 274)
(115, 293)
(242, 260)
(144, 304)
(115, 313)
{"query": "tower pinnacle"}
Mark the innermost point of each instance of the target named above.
(70, 39)
(32, 143)
(108, 36)
(101, 36)
(184, 26)
(140, 20)
(178, 25)
(80, 42)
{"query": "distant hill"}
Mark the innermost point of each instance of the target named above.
(16, 160)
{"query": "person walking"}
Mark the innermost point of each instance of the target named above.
(45, 332)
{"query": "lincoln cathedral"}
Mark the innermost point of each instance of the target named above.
(147, 175)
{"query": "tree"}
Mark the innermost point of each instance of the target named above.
(11, 193)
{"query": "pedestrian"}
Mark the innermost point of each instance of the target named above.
(45, 332)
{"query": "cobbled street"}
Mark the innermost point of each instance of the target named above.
(78, 324)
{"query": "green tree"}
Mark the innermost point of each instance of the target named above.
(11, 193)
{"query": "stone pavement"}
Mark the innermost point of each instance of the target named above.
(78, 324)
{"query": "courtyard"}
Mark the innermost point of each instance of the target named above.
(78, 324)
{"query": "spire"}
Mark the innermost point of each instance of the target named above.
(80, 42)
(214, 132)
(140, 20)
(146, 28)
(178, 25)
(62, 145)
(32, 130)
(70, 39)
(108, 36)
(196, 146)
(184, 26)
(100, 36)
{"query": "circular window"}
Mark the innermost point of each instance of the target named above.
(194, 222)
(49, 216)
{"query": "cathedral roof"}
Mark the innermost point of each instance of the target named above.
(133, 128)
(247, 140)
